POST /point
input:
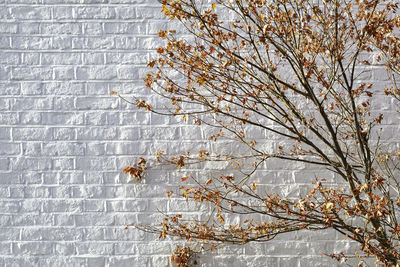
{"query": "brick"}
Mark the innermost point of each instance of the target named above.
(31, 178)
(31, 73)
(95, 118)
(93, 12)
(5, 42)
(10, 207)
(63, 164)
(126, 43)
(5, 133)
(26, 12)
(127, 73)
(31, 205)
(96, 73)
(94, 234)
(4, 166)
(15, 192)
(128, 261)
(61, 42)
(94, 219)
(63, 219)
(64, 73)
(32, 88)
(64, 249)
(37, 192)
(32, 134)
(93, 28)
(96, 133)
(93, 42)
(63, 205)
(31, 43)
(61, 58)
(62, 12)
(124, 28)
(97, 163)
(127, 148)
(64, 103)
(98, 88)
(9, 58)
(31, 164)
(9, 149)
(148, 13)
(95, 149)
(94, 248)
(60, 133)
(28, 27)
(155, 248)
(127, 58)
(93, 58)
(60, 28)
(96, 261)
(63, 118)
(126, 12)
(93, 205)
(128, 133)
(33, 248)
(64, 88)
(8, 27)
(10, 88)
(126, 248)
(60, 191)
(63, 149)
(5, 248)
(32, 103)
(31, 59)
(6, 177)
(32, 149)
(5, 72)
(4, 104)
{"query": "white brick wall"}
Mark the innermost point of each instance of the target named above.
(64, 141)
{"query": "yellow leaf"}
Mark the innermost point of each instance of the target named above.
(180, 162)
(329, 205)
(263, 231)
(214, 6)
(254, 186)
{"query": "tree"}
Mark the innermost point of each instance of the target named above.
(297, 69)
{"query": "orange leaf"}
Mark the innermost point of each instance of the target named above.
(169, 193)
(180, 162)
(128, 169)
(185, 178)
(254, 186)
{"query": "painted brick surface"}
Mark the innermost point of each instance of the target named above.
(64, 141)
